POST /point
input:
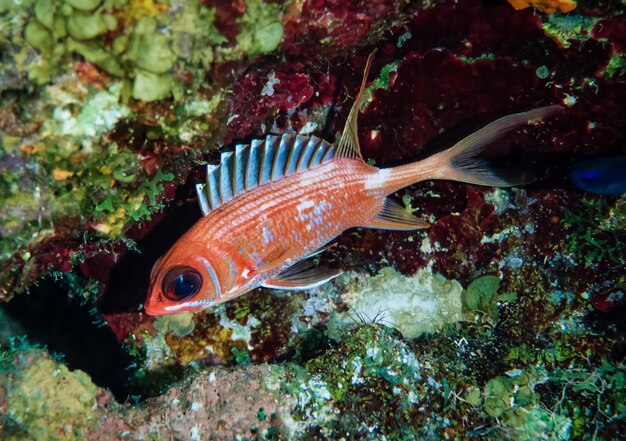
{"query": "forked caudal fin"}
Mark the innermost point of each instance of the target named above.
(459, 163)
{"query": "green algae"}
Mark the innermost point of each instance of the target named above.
(595, 231)
(261, 28)
(371, 375)
(594, 399)
(382, 81)
(193, 120)
(480, 297)
(472, 60)
(143, 46)
(616, 66)
(141, 54)
(567, 28)
(180, 324)
(380, 386)
(77, 119)
(513, 400)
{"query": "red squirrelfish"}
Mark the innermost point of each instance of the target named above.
(270, 205)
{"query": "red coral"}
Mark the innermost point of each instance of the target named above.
(608, 299)
(226, 14)
(457, 238)
(124, 324)
(263, 95)
(613, 29)
(55, 254)
(435, 91)
(335, 24)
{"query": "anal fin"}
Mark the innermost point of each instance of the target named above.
(393, 216)
(302, 275)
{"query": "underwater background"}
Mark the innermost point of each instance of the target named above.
(503, 321)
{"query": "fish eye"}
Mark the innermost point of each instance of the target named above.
(181, 283)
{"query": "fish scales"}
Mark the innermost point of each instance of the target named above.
(275, 207)
(298, 194)
(273, 199)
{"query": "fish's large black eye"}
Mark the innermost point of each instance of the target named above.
(181, 283)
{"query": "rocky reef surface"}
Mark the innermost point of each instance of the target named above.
(504, 320)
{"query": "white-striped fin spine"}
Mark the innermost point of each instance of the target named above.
(261, 161)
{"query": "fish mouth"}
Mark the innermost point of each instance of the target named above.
(151, 311)
(149, 306)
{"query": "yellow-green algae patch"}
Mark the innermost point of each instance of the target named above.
(45, 400)
(180, 324)
(261, 28)
(567, 28)
(143, 53)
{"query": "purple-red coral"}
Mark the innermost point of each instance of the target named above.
(613, 29)
(457, 238)
(317, 27)
(263, 95)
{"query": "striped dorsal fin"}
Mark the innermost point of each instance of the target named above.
(261, 161)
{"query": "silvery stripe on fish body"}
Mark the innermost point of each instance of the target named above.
(261, 161)
(193, 304)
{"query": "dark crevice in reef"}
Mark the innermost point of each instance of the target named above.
(129, 279)
(66, 325)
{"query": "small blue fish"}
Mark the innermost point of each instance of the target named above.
(601, 175)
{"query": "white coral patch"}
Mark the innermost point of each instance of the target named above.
(423, 303)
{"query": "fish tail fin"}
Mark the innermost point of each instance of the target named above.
(459, 163)
(460, 160)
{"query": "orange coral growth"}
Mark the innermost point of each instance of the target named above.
(547, 6)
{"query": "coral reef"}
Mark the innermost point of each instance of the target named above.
(501, 321)
(37, 388)
(373, 384)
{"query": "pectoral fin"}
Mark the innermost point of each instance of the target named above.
(302, 275)
(320, 250)
(395, 217)
(270, 262)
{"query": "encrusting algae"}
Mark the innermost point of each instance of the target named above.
(43, 400)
